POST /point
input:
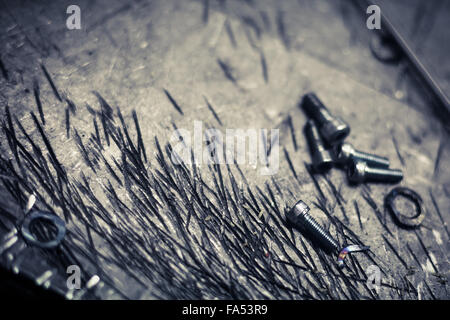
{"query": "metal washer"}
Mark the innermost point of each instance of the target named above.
(28, 235)
(403, 220)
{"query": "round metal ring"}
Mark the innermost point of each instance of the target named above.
(28, 235)
(385, 49)
(401, 219)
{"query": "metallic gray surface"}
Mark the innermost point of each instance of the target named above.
(333, 129)
(346, 153)
(321, 158)
(131, 51)
(50, 218)
(299, 215)
(359, 172)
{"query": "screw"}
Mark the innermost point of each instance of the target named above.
(333, 129)
(321, 158)
(359, 171)
(345, 153)
(300, 217)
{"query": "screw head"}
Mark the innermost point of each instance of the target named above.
(300, 209)
(322, 161)
(356, 171)
(343, 152)
(335, 130)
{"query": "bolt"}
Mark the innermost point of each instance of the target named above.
(321, 157)
(333, 129)
(359, 172)
(300, 217)
(345, 153)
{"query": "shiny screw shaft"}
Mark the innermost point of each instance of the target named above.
(300, 217)
(321, 158)
(384, 175)
(345, 153)
(371, 159)
(315, 109)
(313, 137)
(359, 171)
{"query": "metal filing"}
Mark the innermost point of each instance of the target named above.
(300, 217)
(359, 172)
(321, 157)
(345, 154)
(333, 129)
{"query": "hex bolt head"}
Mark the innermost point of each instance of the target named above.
(333, 129)
(322, 159)
(345, 153)
(359, 171)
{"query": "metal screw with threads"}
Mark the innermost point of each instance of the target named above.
(345, 154)
(300, 217)
(359, 172)
(322, 159)
(333, 129)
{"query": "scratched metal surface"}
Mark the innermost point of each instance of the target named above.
(131, 52)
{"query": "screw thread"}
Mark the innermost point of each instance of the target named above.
(384, 175)
(316, 230)
(372, 160)
(313, 137)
